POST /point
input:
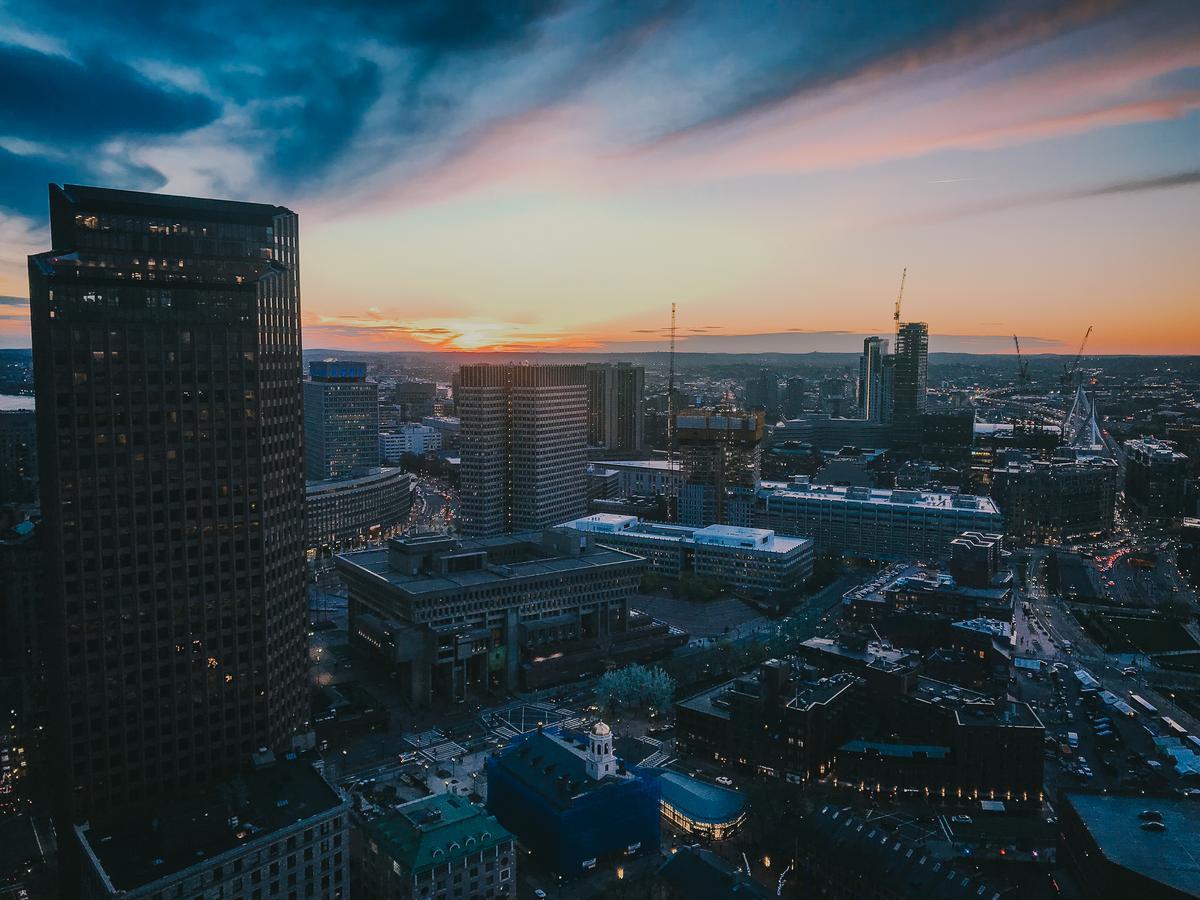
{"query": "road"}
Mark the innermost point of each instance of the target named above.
(1051, 624)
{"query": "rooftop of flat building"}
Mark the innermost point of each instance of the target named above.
(333, 485)
(973, 708)
(1170, 856)
(178, 833)
(873, 653)
(510, 557)
(712, 535)
(145, 203)
(802, 487)
(436, 830)
(925, 579)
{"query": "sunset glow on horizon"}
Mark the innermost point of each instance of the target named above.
(554, 178)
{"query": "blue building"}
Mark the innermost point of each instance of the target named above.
(571, 801)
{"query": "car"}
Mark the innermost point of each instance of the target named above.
(1153, 826)
(1150, 815)
(725, 780)
(539, 893)
(961, 820)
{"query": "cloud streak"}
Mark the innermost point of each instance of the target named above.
(1128, 186)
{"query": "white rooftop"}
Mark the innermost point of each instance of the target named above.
(712, 535)
(800, 487)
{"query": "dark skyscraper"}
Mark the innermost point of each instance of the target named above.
(911, 380)
(616, 395)
(166, 341)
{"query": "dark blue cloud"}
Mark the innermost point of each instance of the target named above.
(24, 177)
(324, 96)
(50, 98)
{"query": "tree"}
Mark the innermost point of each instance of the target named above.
(636, 687)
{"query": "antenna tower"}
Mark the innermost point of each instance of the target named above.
(672, 500)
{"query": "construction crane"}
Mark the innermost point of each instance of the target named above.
(1022, 364)
(1072, 368)
(899, 297)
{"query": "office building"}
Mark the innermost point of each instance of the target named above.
(277, 830)
(762, 393)
(793, 397)
(770, 723)
(750, 560)
(874, 400)
(616, 396)
(926, 594)
(18, 456)
(976, 559)
(456, 616)
(23, 660)
(641, 477)
(349, 511)
(447, 427)
(439, 846)
(911, 377)
(523, 446)
(720, 458)
(1155, 477)
(946, 741)
(166, 347)
(415, 399)
(826, 432)
(408, 439)
(341, 421)
(571, 800)
(1057, 499)
(873, 523)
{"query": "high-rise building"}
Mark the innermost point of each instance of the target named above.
(616, 395)
(793, 398)
(872, 402)
(341, 421)
(1155, 475)
(911, 380)
(18, 456)
(721, 459)
(523, 443)
(167, 367)
(762, 392)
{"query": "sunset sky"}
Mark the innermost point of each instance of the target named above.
(475, 175)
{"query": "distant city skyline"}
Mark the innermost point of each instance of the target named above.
(553, 176)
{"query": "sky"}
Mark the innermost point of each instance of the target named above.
(530, 175)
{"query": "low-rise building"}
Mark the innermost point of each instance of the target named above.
(277, 831)
(350, 511)
(454, 616)
(1115, 850)
(571, 800)
(771, 723)
(700, 808)
(753, 560)
(1055, 499)
(1155, 477)
(440, 846)
(873, 523)
(945, 740)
